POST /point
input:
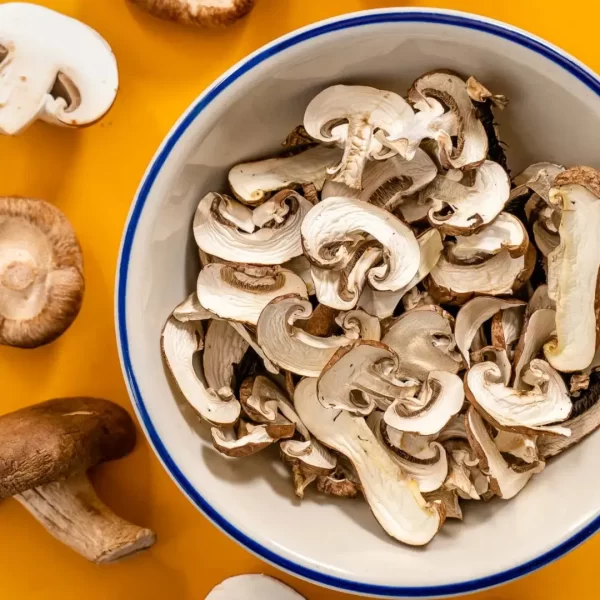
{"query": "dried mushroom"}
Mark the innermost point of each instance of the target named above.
(253, 587)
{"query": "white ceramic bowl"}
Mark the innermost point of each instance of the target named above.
(553, 115)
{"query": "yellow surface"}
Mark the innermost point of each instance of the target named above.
(92, 176)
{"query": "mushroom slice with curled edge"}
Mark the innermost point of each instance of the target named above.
(383, 304)
(250, 438)
(394, 499)
(191, 310)
(240, 292)
(332, 229)
(203, 13)
(179, 343)
(459, 209)
(537, 178)
(479, 93)
(573, 269)
(252, 181)
(290, 347)
(52, 68)
(41, 272)
(450, 283)
(450, 91)
(47, 450)
(429, 469)
(250, 337)
(349, 117)
(253, 587)
(473, 315)
(223, 348)
(506, 327)
(498, 356)
(364, 366)
(530, 411)
(423, 340)
(504, 481)
(359, 325)
(464, 473)
(308, 459)
(442, 396)
(518, 445)
(300, 265)
(267, 235)
(507, 232)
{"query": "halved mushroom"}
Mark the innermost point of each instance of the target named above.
(349, 116)
(267, 235)
(223, 348)
(334, 227)
(393, 498)
(53, 68)
(423, 340)
(473, 315)
(359, 374)
(573, 269)
(179, 343)
(450, 91)
(505, 482)
(241, 292)
(429, 468)
(529, 411)
(204, 13)
(249, 438)
(459, 209)
(252, 181)
(442, 396)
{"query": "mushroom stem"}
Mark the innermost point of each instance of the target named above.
(72, 512)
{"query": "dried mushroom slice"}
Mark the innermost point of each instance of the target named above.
(52, 68)
(393, 498)
(518, 445)
(537, 178)
(41, 273)
(250, 438)
(191, 310)
(223, 348)
(499, 357)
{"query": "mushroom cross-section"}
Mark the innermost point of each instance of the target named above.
(46, 452)
(53, 68)
(394, 499)
(224, 347)
(334, 226)
(41, 273)
(249, 438)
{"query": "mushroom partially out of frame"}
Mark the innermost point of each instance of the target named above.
(41, 273)
(253, 587)
(46, 452)
(249, 438)
(52, 68)
(203, 13)
(394, 499)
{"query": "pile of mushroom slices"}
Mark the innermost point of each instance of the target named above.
(383, 304)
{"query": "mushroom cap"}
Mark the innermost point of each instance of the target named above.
(41, 273)
(57, 69)
(253, 587)
(59, 438)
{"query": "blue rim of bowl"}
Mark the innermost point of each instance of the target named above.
(385, 16)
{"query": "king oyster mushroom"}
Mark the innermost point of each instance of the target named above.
(394, 499)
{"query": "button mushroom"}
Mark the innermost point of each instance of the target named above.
(52, 68)
(47, 450)
(41, 273)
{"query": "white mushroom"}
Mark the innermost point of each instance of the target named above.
(252, 181)
(267, 235)
(332, 229)
(241, 293)
(52, 68)
(394, 499)
(573, 269)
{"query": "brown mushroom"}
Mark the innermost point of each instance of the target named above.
(41, 273)
(45, 454)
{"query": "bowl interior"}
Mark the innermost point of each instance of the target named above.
(551, 116)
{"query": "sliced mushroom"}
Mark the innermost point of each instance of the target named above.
(505, 482)
(251, 182)
(507, 326)
(464, 474)
(267, 235)
(394, 499)
(459, 209)
(364, 366)
(349, 116)
(204, 13)
(499, 357)
(223, 348)
(332, 229)
(250, 438)
(449, 500)
(537, 178)
(250, 337)
(53, 68)
(358, 324)
(441, 397)
(179, 343)
(41, 271)
(300, 265)
(573, 269)
(423, 340)
(479, 93)
(191, 310)
(518, 445)
(342, 483)
(528, 412)
(241, 293)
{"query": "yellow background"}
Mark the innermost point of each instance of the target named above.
(92, 176)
